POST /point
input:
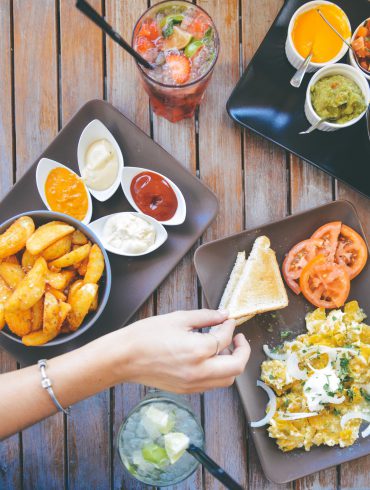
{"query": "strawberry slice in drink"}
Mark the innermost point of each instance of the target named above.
(179, 66)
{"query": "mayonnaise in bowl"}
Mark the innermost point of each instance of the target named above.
(100, 165)
(129, 233)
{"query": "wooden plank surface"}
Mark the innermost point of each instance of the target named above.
(36, 124)
(10, 449)
(255, 181)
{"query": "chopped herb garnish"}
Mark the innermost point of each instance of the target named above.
(350, 394)
(365, 395)
(336, 411)
(285, 333)
(271, 376)
(308, 388)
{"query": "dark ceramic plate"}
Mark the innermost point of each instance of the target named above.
(265, 102)
(213, 262)
(133, 279)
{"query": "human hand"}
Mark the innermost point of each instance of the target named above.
(168, 352)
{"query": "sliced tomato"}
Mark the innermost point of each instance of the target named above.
(325, 284)
(297, 259)
(329, 234)
(351, 251)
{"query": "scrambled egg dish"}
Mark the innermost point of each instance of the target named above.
(320, 382)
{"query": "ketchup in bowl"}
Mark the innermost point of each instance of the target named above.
(154, 196)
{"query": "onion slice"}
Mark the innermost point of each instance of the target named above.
(293, 371)
(271, 405)
(356, 415)
(296, 415)
(274, 355)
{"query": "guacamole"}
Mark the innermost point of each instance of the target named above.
(337, 97)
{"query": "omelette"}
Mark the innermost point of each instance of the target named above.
(319, 382)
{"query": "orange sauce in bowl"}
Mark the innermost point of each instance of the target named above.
(311, 32)
(66, 193)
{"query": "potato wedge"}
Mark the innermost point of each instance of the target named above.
(28, 260)
(95, 266)
(16, 236)
(12, 259)
(65, 308)
(47, 234)
(59, 280)
(56, 292)
(38, 338)
(74, 287)
(71, 258)
(80, 302)
(82, 266)
(30, 289)
(94, 304)
(59, 248)
(78, 238)
(5, 291)
(51, 314)
(19, 322)
(37, 315)
(11, 273)
(2, 316)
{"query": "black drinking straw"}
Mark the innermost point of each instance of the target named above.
(213, 468)
(93, 15)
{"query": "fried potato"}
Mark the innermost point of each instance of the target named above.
(71, 258)
(65, 308)
(28, 260)
(82, 267)
(59, 248)
(46, 235)
(5, 291)
(2, 316)
(56, 292)
(95, 266)
(16, 236)
(80, 302)
(94, 304)
(30, 289)
(38, 338)
(19, 322)
(59, 280)
(12, 259)
(78, 238)
(37, 315)
(74, 287)
(11, 273)
(51, 314)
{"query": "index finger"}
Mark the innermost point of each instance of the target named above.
(201, 318)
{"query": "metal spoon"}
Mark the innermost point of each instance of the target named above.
(297, 78)
(344, 40)
(317, 124)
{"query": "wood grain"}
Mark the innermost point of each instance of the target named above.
(81, 47)
(10, 463)
(36, 123)
(220, 167)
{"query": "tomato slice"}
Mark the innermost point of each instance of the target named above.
(351, 251)
(329, 234)
(325, 284)
(297, 259)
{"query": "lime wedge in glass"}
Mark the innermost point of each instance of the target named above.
(159, 420)
(176, 443)
(155, 454)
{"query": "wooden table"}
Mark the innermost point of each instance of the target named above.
(52, 61)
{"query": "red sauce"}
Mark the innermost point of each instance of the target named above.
(154, 196)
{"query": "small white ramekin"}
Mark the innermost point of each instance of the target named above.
(336, 69)
(292, 54)
(352, 56)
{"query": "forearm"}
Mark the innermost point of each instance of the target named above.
(75, 376)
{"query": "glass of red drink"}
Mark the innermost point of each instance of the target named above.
(180, 39)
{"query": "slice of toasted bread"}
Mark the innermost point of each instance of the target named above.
(231, 285)
(260, 287)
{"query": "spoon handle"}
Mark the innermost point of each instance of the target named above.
(313, 127)
(213, 468)
(93, 15)
(300, 73)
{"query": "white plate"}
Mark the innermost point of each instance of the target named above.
(161, 234)
(44, 167)
(130, 172)
(94, 131)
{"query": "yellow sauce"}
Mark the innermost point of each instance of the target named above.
(311, 32)
(66, 193)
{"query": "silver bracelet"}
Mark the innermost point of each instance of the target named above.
(47, 385)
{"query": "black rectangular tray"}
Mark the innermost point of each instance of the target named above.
(213, 263)
(265, 102)
(133, 279)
